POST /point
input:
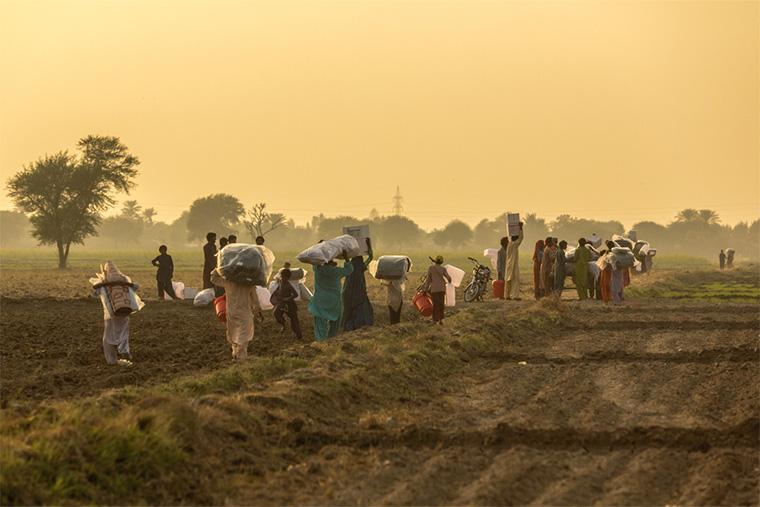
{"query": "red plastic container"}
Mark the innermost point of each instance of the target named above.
(220, 304)
(498, 288)
(423, 303)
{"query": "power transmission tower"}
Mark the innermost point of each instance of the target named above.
(397, 200)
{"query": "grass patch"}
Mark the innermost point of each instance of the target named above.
(740, 286)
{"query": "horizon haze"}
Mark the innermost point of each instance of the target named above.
(619, 110)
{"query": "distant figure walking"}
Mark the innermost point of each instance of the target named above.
(164, 273)
(546, 284)
(357, 310)
(559, 269)
(285, 296)
(580, 274)
(209, 259)
(730, 258)
(538, 255)
(722, 259)
(394, 298)
(501, 260)
(242, 301)
(436, 286)
(605, 278)
(325, 305)
(513, 270)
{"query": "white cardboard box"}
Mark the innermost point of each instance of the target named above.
(513, 224)
(361, 233)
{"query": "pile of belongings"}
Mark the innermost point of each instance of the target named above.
(570, 263)
(246, 264)
(623, 242)
(326, 251)
(116, 291)
(570, 254)
(642, 249)
(297, 278)
(620, 257)
(390, 267)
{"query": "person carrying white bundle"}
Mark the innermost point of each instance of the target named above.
(242, 301)
(117, 293)
(395, 293)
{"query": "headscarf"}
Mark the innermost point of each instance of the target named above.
(539, 248)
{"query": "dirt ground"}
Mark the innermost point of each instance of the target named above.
(655, 403)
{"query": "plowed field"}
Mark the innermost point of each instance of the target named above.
(654, 403)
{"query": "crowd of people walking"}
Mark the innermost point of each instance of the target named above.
(345, 305)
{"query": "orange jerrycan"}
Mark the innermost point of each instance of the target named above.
(220, 304)
(423, 304)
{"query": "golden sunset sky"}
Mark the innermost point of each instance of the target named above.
(607, 110)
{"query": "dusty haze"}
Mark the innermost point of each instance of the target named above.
(607, 110)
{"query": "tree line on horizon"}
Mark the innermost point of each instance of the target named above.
(61, 200)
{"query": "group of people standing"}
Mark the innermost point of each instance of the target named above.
(549, 260)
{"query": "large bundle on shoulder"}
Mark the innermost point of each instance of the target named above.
(116, 291)
(570, 254)
(390, 267)
(622, 257)
(623, 242)
(246, 264)
(331, 249)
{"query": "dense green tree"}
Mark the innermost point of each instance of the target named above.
(218, 213)
(396, 231)
(488, 233)
(457, 234)
(570, 229)
(329, 228)
(64, 195)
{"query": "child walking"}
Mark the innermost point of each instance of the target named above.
(285, 297)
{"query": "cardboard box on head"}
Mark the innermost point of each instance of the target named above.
(513, 224)
(361, 233)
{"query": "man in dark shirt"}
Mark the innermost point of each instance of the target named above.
(164, 273)
(286, 296)
(209, 259)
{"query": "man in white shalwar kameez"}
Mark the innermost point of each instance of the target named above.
(242, 300)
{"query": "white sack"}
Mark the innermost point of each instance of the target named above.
(246, 264)
(179, 290)
(264, 297)
(328, 250)
(204, 297)
(390, 267)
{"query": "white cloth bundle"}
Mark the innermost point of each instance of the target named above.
(326, 251)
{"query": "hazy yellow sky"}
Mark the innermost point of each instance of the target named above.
(607, 110)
